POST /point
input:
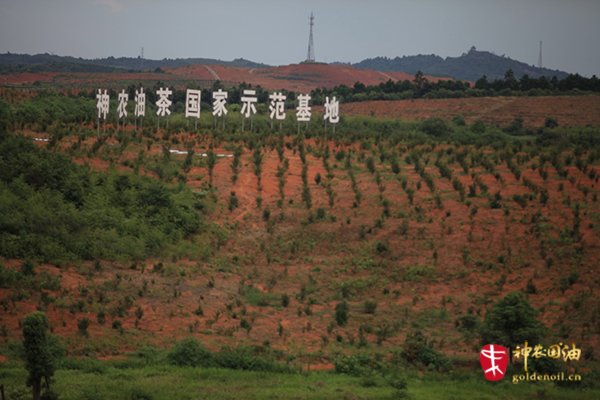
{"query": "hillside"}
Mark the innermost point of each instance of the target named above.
(380, 248)
(53, 63)
(411, 232)
(566, 110)
(469, 66)
(295, 77)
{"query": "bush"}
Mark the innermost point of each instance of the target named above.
(382, 247)
(550, 123)
(370, 306)
(233, 201)
(118, 326)
(357, 364)
(28, 268)
(515, 127)
(190, 353)
(467, 323)
(418, 351)
(435, 127)
(248, 358)
(341, 313)
(495, 201)
(318, 178)
(82, 326)
(395, 165)
(400, 384)
(101, 317)
(285, 300)
(478, 127)
(371, 165)
(266, 214)
(321, 214)
(458, 120)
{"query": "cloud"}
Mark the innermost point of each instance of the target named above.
(115, 6)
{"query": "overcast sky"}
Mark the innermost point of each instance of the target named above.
(276, 31)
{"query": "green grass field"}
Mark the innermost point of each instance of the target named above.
(108, 380)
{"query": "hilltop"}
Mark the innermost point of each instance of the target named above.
(469, 66)
(53, 63)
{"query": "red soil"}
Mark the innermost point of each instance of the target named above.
(331, 253)
(296, 77)
(27, 78)
(567, 110)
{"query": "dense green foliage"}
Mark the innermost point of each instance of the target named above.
(418, 351)
(53, 209)
(421, 87)
(40, 352)
(46, 108)
(190, 353)
(511, 321)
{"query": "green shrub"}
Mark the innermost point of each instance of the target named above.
(468, 323)
(418, 351)
(82, 326)
(360, 364)
(371, 165)
(190, 353)
(478, 127)
(321, 214)
(382, 247)
(550, 122)
(8, 277)
(458, 120)
(248, 358)
(318, 178)
(53, 209)
(435, 127)
(370, 306)
(28, 268)
(266, 214)
(233, 201)
(341, 313)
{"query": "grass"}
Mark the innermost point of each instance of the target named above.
(169, 382)
(255, 297)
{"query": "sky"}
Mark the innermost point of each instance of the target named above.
(275, 32)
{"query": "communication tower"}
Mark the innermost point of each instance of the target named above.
(310, 56)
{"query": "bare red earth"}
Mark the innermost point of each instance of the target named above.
(567, 110)
(296, 77)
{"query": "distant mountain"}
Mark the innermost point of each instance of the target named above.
(52, 63)
(469, 66)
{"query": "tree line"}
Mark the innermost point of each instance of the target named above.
(422, 87)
